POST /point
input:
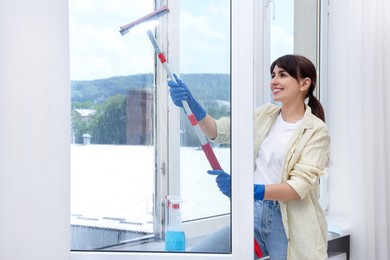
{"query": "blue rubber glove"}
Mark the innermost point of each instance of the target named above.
(259, 191)
(224, 184)
(223, 181)
(179, 92)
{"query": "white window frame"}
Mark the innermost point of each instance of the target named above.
(323, 51)
(262, 11)
(242, 150)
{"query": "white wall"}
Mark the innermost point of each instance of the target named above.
(34, 130)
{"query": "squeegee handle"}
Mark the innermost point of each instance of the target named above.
(206, 147)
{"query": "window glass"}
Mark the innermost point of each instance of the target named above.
(204, 40)
(112, 150)
(294, 28)
(205, 67)
(118, 185)
(282, 28)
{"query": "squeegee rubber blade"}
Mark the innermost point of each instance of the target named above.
(149, 17)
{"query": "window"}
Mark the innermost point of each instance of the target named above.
(113, 126)
(131, 147)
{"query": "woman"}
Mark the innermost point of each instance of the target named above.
(291, 152)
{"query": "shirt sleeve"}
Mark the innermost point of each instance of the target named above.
(311, 162)
(223, 130)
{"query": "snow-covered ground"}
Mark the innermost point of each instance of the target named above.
(116, 182)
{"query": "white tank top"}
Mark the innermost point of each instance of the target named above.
(269, 161)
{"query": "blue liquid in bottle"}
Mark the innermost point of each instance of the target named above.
(175, 241)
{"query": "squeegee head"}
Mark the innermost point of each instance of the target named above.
(152, 16)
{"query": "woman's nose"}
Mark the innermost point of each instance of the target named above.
(274, 81)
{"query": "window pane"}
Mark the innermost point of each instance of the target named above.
(205, 68)
(282, 28)
(112, 153)
(294, 28)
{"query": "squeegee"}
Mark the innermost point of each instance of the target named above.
(206, 147)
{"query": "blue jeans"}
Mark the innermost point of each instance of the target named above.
(269, 230)
(269, 233)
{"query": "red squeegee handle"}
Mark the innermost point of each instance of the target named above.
(211, 157)
(258, 251)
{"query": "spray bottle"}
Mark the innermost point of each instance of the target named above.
(175, 239)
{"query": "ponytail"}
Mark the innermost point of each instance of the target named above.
(316, 107)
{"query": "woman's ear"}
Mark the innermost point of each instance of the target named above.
(305, 84)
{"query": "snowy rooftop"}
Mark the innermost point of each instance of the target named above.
(112, 186)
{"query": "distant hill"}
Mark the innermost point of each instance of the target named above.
(203, 86)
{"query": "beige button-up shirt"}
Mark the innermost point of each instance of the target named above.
(306, 159)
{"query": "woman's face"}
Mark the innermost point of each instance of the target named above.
(284, 87)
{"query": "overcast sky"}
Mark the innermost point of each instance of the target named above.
(98, 50)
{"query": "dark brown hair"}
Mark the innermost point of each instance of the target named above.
(300, 67)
